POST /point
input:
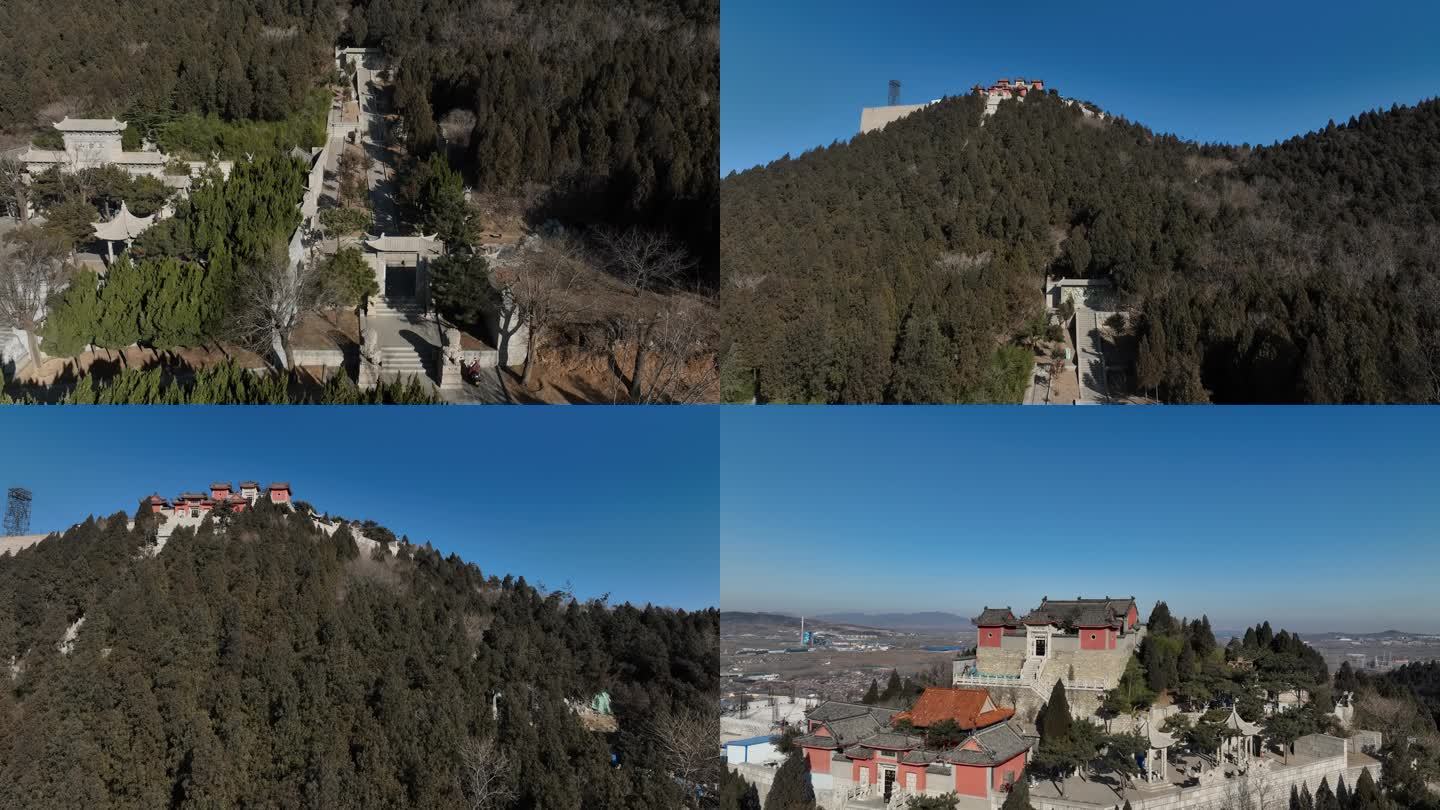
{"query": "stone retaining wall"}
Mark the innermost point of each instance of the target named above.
(330, 358)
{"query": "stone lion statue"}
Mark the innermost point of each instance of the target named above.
(453, 353)
(370, 346)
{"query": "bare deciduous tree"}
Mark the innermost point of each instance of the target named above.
(32, 266)
(687, 751)
(484, 774)
(544, 289)
(14, 189)
(457, 126)
(276, 298)
(669, 349)
(644, 260)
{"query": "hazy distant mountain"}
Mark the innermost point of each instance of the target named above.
(1377, 635)
(733, 622)
(926, 620)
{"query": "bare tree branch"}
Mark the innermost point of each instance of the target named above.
(275, 299)
(688, 752)
(670, 350)
(545, 287)
(644, 260)
(32, 267)
(484, 774)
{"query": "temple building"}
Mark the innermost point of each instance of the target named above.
(91, 143)
(1097, 623)
(401, 266)
(189, 508)
(1084, 642)
(1005, 88)
(859, 752)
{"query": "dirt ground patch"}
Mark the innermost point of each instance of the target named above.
(328, 330)
(571, 377)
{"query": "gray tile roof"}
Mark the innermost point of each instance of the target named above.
(816, 741)
(997, 744)
(850, 730)
(836, 710)
(990, 617)
(1081, 612)
(892, 741)
(920, 756)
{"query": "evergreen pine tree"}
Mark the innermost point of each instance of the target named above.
(1366, 796)
(872, 695)
(892, 686)
(791, 789)
(1057, 722)
(1019, 796)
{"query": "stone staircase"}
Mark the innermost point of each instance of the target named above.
(1030, 671)
(403, 362)
(407, 308)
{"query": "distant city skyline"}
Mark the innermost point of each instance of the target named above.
(1315, 519)
(559, 496)
(794, 76)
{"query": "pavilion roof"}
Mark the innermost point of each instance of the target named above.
(68, 124)
(1235, 722)
(1156, 737)
(123, 226)
(405, 244)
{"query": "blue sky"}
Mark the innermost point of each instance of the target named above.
(1314, 518)
(794, 75)
(611, 499)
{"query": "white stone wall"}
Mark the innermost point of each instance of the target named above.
(331, 358)
(1220, 795)
(873, 118)
(1006, 659)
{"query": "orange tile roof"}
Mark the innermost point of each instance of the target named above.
(964, 706)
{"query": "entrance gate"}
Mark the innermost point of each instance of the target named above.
(399, 282)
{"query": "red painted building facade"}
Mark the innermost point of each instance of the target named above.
(1099, 623)
(198, 504)
(851, 745)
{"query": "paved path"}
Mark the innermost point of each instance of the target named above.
(376, 142)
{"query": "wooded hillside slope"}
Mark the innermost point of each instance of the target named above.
(147, 60)
(906, 264)
(271, 665)
(614, 106)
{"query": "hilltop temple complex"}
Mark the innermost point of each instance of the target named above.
(1085, 643)
(867, 752)
(190, 508)
(975, 738)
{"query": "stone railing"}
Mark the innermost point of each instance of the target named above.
(979, 679)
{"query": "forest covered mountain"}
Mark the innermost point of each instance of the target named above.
(149, 60)
(267, 664)
(607, 111)
(612, 105)
(907, 264)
